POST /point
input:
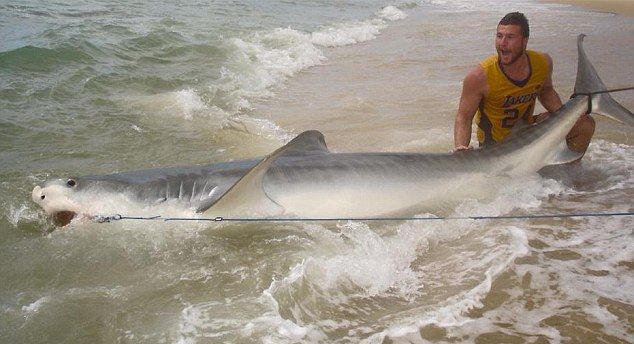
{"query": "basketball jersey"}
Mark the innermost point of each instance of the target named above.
(508, 100)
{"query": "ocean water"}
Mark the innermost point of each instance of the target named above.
(96, 87)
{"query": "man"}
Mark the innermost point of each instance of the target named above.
(503, 88)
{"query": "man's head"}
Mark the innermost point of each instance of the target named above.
(511, 37)
(518, 19)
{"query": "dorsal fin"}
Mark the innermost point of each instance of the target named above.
(587, 77)
(308, 142)
(248, 193)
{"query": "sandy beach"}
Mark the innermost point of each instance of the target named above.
(623, 7)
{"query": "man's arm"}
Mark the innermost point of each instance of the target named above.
(548, 97)
(474, 88)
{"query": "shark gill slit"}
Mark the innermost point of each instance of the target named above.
(202, 192)
(191, 197)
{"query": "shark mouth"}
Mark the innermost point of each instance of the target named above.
(63, 218)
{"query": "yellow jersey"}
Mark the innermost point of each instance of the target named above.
(508, 100)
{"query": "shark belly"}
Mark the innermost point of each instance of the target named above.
(368, 191)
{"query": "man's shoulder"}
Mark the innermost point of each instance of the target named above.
(540, 61)
(540, 55)
(535, 52)
(476, 78)
(489, 62)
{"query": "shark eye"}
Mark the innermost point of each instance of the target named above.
(42, 197)
(71, 182)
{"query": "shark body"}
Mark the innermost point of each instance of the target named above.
(304, 179)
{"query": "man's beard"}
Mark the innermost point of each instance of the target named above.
(513, 58)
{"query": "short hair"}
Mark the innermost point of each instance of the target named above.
(516, 18)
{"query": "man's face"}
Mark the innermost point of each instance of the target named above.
(510, 43)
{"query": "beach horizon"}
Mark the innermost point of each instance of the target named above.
(620, 7)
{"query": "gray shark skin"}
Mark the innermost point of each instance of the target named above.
(304, 179)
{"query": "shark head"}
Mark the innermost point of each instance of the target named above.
(56, 197)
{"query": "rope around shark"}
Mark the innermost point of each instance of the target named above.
(601, 92)
(119, 217)
(590, 94)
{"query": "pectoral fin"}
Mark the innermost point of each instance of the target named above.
(247, 195)
(204, 204)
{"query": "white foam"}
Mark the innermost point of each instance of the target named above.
(196, 323)
(35, 306)
(356, 32)
(348, 33)
(192, 321)
(611, 323)
(185, 103)
(391, 258)
(19, 213)
(284, 329)
(381, 265)
(256, 64)
(268, 58)
(492, 5)
(527, 194)
(206, 320)
(294, 274)
(392, 13)
(615, 160)
(599, 244)
(259, 62)
(560, 283)
(369, 261)
(260, 127)
(451, 313)
(188, 102)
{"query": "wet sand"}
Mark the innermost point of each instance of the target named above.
(622, 7)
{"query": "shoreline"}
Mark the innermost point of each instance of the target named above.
(619, 7)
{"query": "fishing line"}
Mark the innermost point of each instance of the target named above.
(590, 94)
(601, 92)
(118, 217)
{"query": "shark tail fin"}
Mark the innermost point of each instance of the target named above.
(588, 83)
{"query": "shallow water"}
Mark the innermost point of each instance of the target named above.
(102, 87)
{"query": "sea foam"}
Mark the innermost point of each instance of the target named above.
(256, 64)
(392, 13)
(356, 32)
(348, 33)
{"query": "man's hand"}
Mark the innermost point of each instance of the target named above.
(462, 149)
(541, 117)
